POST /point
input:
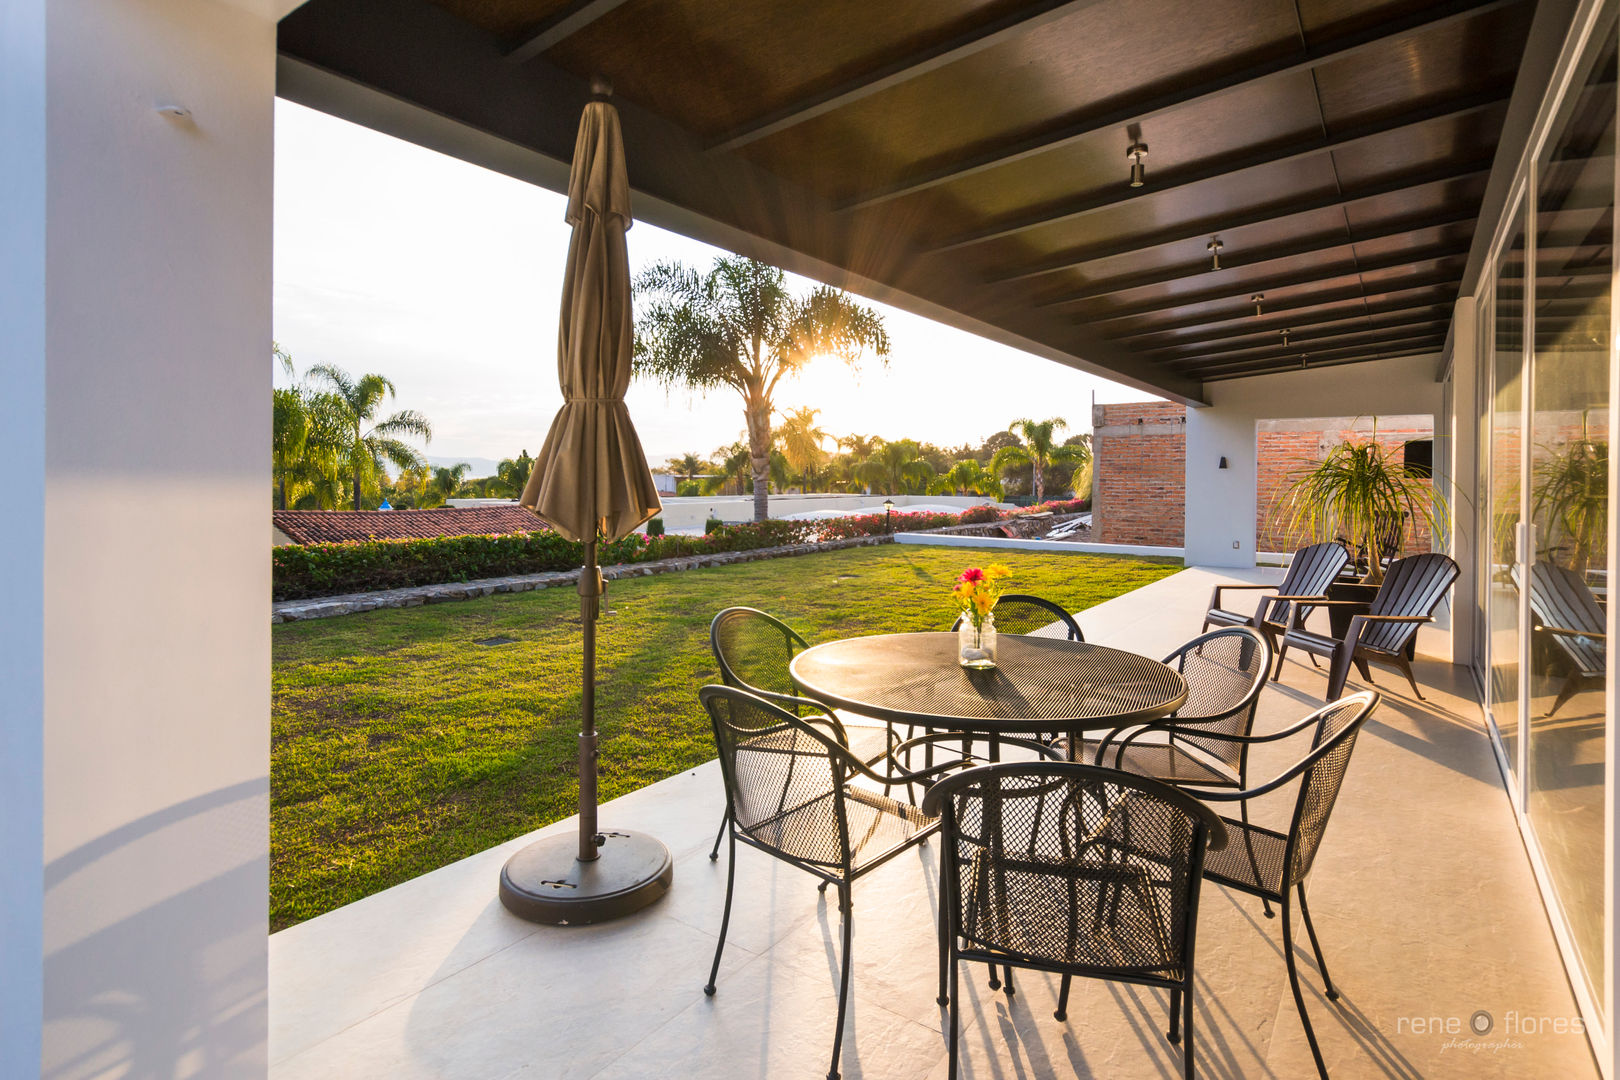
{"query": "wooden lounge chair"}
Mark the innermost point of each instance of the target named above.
(1385, 633)
(1310, 572)
(1569, 615)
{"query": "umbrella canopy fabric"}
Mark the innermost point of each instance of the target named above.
(591, 475)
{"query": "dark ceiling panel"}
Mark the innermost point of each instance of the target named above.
(1338, 149)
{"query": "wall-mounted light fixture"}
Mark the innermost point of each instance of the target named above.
(1255, 300)
(1134, 154)
(1222, 465)
(1285, 334)
(1214, 248)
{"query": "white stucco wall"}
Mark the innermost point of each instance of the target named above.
(1222, 503)
(134, 592)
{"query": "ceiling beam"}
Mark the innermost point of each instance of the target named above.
(1401, 341)
(1268, 325)
(1139, 111)
(957, 47)
(1282, 281)
(1261, 256)
(1228, 165)
(1361, 358)
(1068, 260)
(1442, 280)
(573, 18)
(1305, 340)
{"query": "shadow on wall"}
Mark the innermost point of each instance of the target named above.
(156, 945)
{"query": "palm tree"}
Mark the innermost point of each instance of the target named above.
(289, 436)
(687, 467)
(370, 450)
(803, 443)
(739, 326)
(967, 477)
(445, 481)
(897, 468)
(859, 447)
(1037, 449)
(735, 464)
(512, 474)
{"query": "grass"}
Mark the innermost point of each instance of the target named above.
(399, 744)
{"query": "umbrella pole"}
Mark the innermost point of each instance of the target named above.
(599, 874)
(590, 605)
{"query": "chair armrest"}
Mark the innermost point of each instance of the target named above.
(1215, 596)
(1310, 599)
(1345, 603)
(1564, 631)
(1395, 618)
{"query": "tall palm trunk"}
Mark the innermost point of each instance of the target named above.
(759, 450)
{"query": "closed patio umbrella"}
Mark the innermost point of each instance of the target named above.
(591, 479)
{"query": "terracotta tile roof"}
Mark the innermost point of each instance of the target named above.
(339, 526)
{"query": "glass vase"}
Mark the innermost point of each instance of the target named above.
(976, 645)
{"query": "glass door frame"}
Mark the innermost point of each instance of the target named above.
(1592, 17)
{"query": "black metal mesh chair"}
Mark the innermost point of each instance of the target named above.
(1073, 869)
(753, 650)
(1206, 741)
(789, 793)
(1274, 865)
(1413, 588)
(1310, 572)
(1019, 613)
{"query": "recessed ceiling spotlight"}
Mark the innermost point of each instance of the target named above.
(1214, 248)
(1134, 154)
(1255, 300)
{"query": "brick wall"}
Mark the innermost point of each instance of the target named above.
(1139, 485)
(1139, 493)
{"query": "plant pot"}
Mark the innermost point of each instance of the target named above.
(1339, 615)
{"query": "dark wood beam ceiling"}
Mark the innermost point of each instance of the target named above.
(959, 157)
(1311, 58)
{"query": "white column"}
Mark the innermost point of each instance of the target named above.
(134, 578)
(1462, 479)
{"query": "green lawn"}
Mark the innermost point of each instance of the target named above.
(399, 745)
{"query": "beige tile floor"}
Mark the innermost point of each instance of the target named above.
(1422, 895)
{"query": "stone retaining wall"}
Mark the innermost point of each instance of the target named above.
(326, 607)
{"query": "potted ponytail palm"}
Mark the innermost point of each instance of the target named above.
(1358, 490)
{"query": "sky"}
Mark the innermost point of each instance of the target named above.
(446, 278)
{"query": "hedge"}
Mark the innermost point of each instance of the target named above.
(301, 571)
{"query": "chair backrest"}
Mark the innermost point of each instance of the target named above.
(1040, 855)
(1312, 569)
(1414, 585)
(1560, 598)
(1332, 741)
(1019, 613)
(784, 777)
(1225, 670)
(754, 649)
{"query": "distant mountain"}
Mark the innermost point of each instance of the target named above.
(479, 466)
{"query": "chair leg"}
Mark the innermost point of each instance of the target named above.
(1187, 1063)
(1282, 651)
(1293, 983)
(956, 1025)
(1006, 980)
(1254, 862)
(1571, 687)
(1174, 1034)
(848, 911)
(1406, 668)
(1316, 946)
(714, 852)
(725, 917)
(1063, 1001)
(944, 949)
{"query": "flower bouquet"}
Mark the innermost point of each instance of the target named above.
(976, 591)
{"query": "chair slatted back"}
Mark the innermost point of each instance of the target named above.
(1225, 671)
(1332, 743)
(1412, 586)
(1062, 863)
(1313, 569)
(784, 779)
(1018, 613)
(754, 649)
(1560, 598)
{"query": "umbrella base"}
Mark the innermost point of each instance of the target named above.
(546, 883)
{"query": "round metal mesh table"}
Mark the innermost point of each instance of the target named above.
(1039, 685)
